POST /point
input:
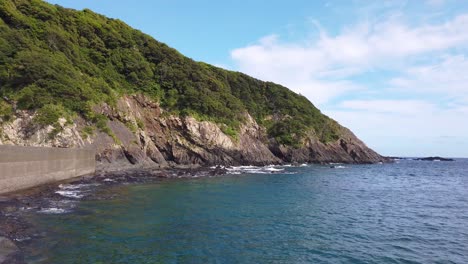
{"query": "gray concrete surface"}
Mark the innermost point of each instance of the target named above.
(25, 167)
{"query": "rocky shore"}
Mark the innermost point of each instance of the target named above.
(15, 229)
(141, 133)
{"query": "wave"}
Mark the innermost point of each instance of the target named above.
(268, 169)
(75, 191)
(338, 167)
(76, 186)
(53, 210)
(257, 170)
(71, 194)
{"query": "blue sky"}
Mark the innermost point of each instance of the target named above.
(395, 72)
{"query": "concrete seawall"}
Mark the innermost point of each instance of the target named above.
(25, 167)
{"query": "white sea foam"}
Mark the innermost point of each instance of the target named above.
(71, 194)
(255, 169)
(273, 169)
(269, 169)
(75, 191)
(76, 186)
(21, 239)
(53, 210)
(26, 208)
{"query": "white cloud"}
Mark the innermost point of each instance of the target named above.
(312, 66)
(323, 91)
(447, 78)
(392, 39)
(416, 133)
(400, 107)
(420, 104)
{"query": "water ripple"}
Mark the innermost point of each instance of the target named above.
(407, 212)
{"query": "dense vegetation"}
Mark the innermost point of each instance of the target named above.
(59, 60)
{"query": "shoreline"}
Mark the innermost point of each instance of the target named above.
(15, 229)
(49, 198)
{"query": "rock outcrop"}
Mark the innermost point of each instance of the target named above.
(435, 159)
(141, 133)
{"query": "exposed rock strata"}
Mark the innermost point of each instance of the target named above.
(147, 136)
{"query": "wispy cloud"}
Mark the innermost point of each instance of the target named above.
(368, 44)
(447, 78)
(419, 83)
(315, 67)
(401, 107)
(414, 134)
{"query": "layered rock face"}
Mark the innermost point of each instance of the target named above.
(143, 134)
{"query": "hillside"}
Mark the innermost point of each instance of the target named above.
(78, 79)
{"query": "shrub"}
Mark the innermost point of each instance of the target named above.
(49, 115)
(6, 111)
(87, 131)
(140, 123)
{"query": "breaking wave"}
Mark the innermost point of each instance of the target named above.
(75, 191)
(270, 169)
(53, 210)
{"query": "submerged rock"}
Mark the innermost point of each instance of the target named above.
(435, 159)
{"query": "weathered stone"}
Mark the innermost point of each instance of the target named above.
(141, 135)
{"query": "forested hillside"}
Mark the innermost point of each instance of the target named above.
(62, 62)
(73, 78)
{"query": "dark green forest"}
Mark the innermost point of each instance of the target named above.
(61, 62)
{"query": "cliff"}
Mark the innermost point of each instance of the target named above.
(78, 79)
(142, 134)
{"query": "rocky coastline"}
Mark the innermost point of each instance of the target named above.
(146, 145)
(435, 159)
(16, 231)
(142, 134)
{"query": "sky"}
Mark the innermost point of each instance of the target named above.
(394, 72)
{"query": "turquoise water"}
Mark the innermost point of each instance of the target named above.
(409, 212)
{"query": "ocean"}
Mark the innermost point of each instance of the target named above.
(405, 212)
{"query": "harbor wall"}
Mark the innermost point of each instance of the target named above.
(26, 167)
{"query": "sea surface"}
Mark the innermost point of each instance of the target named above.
(405, 212)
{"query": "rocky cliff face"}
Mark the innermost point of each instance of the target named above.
(143, 134)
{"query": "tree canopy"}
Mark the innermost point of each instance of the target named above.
(50, 55)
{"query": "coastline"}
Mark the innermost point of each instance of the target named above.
(15, 207)
(15, 229)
